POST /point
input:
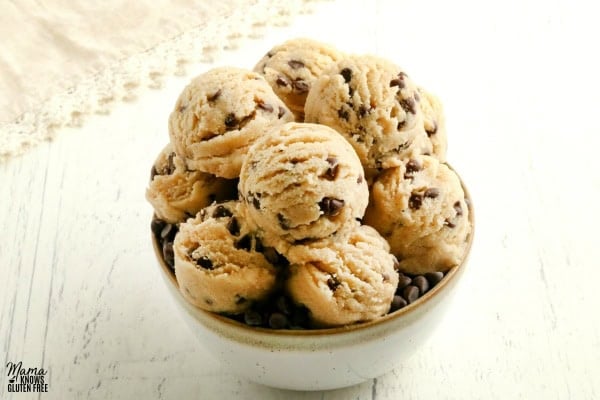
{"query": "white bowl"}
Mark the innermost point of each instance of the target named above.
(318, 359)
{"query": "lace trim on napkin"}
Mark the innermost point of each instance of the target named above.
(124, 79)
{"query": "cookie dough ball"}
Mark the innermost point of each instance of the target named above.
(434, 123)
(420, 208)
(375, 105)
(293, 66)
(302, 182)
(219, 115)
(219, 265)
(343, 282)
(176, 193)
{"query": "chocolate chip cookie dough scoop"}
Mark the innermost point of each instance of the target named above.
(291, 68)
(375, 105)
(219, 115)
(343, 282)
(177, 193)
(302, 182)
(219, 264)
(420, 208)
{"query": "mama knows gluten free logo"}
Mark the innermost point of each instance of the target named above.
(26, 380)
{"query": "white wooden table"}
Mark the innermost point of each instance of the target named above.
(80, 295)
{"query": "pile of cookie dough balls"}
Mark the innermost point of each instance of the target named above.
(310, 192)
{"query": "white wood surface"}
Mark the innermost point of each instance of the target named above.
(81, 297)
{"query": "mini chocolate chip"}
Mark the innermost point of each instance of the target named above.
(170, 164)
(412, 166)
(421, 282)
(397, 303)
(239, 299)
(282, 81)
(333, 282)
(168, 254)
(182, 108)
(362, 110)
(300, 86)
(343, 114)
(433, 131)
(221, 211)
(283, 304)
(258, 246)
(397, 82)
(400, 125)
(403, 281)
(283, 222)
(360, 179)
(330, 206)
(252, 318)
(264, 106)
(245, 243)
(230, 120)
(408, 105)
(233, 226)
(347, 74)
(157, 226)
(415, 201)
(214, 96)
(432, 193)
(332, 171)
(281, 112)
(449, 224)
(410, 293)
(295, 64)
(458, 209)
(350, 91)
(204, 262)
(153, 173)
(434, 277)
(278, 321)
(208, 301)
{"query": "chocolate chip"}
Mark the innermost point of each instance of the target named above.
(277, 321)
(408, 105)
(415, 201)
(168, 254)
(246, 119)
(221, 211)
(252, 318)
(182, 108)
(264, 106)
(208, 301)
(214, 96)
(458, 209)
(332, 171)
(204, 262)
(333, 282)
(239, 299)
(258, 246)
(434, 277)
(397, 303)
(362, 110)
(350, 91)
(283, 222)
(397, 82)
(412, 166)
(295, 64)
(449, 224)
(347, 74)
(281, 112)
(410, 293)
(157, 226)
(233, 226)
(421, 282)
(400, 125)
(300, 86)
(330, 206)
(344, 114)
(360, 179)
(432, 193)
(230, 120)
(153, 173)
(283, 304)
(433, 130)
(403, 281)
(245, 243)
(282, 81)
